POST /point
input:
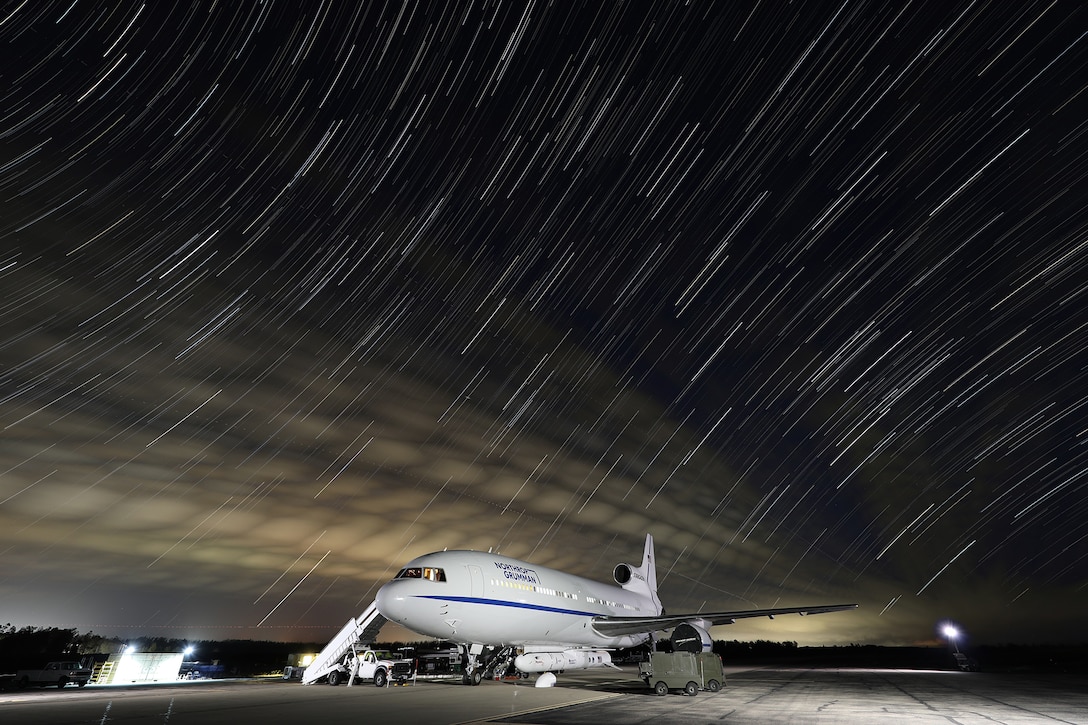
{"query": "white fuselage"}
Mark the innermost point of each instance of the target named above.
(476, 597)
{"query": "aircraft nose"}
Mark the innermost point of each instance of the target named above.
(386, 602)
(380, 600)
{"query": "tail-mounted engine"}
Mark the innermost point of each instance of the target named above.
(641, 580)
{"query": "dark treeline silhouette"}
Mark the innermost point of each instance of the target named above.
(990, 658)
(33, 646)
(734, 650)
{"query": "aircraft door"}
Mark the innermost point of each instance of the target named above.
(477, 579)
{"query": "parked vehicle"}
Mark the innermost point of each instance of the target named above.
(360, 663)
(55, 673)
(687, 671)
(375, 665)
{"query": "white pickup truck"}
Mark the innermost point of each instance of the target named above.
(375, 665)
(54, 673)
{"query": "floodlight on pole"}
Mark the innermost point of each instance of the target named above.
(952, 634)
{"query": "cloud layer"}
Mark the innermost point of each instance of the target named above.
(290, 297)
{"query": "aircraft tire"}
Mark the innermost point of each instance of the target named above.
(661, 689)
(691, 689)
(477, 676)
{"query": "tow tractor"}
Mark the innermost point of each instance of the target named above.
(687, 671)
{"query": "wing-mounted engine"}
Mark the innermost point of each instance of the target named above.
(691, 637)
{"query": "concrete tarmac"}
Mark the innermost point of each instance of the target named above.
(764, 695)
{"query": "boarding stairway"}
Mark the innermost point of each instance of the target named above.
(103, 673)
(363, 628)
(500, 664)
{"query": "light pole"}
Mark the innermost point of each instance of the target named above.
(952, 634)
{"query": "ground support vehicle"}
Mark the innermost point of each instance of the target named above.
(382, 668)
(336, 662)
(687, 671)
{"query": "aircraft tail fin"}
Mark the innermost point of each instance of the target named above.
(643, 579)
(649, 565)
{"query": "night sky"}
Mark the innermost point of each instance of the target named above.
(290, 296)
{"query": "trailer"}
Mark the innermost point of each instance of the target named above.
(687, 671)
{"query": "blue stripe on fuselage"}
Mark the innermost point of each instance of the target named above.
(515, 605)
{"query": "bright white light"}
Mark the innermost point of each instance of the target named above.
(949, 631)
(188, 651)
(130, 649)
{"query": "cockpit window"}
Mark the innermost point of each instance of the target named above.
(428, 572)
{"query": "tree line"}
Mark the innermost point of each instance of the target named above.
(22, 647)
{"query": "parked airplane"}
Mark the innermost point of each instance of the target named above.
(555, 621)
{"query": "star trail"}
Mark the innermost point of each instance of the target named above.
(293, 293)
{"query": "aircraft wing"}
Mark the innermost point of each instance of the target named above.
(616, 626)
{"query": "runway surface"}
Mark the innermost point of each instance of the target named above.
(767, 695)
(786, 695)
